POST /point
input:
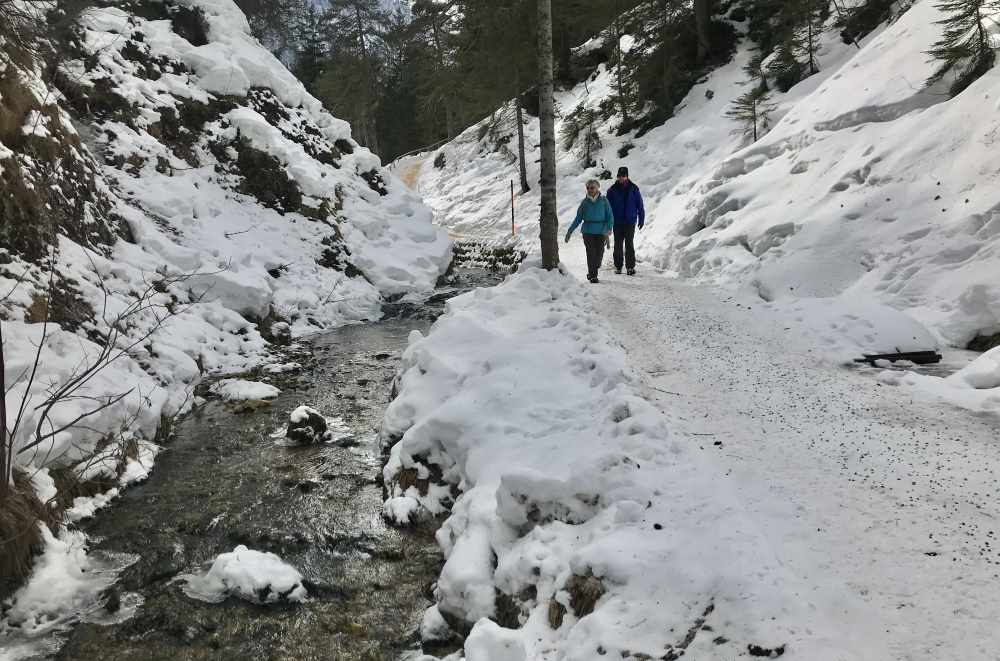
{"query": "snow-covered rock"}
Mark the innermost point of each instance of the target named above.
(490, 642)
(255, 576)
(306, 425)
(433, 626)
(234, 390)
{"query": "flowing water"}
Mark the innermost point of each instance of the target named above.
(224, 480)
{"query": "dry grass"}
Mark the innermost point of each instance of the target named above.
(38, 311)
(20, 536)
(70, 487)
(17, 102)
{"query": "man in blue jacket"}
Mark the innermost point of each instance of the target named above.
(626, 205)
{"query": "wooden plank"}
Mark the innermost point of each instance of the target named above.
(917, 357)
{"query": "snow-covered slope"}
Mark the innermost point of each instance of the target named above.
(869, 187)
(191, 187)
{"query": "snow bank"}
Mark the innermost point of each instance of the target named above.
(983, 373)
(233, 390)
(262, 578)
(60, 356)
(868, 188)
(845, 328)
(519, 414)
(975, 387)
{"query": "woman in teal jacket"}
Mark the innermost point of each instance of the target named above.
(598, 222)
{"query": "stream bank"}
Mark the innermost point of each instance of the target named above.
(225, 480)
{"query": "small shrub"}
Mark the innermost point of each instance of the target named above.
(439, 160)
(265, 178)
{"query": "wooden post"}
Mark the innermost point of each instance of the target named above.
(512, 207)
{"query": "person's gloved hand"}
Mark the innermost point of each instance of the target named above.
(567, 237)
(640, 224)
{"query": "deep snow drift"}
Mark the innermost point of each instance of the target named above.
(868, 188)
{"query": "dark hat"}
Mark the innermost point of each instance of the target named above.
(623, 171)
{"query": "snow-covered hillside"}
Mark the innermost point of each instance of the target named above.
(869, 187)
(200, 203)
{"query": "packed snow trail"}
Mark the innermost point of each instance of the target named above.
(867, 493)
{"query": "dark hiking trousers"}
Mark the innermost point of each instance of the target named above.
(595, 253)
(624, 234)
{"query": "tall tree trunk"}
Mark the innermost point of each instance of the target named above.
(548, 220)
(702, 15)
(6, 446)
(621, 67)
(449, 111)
(519, 118)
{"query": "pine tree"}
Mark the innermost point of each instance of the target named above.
(434, 26)
(273, 22)
(579, 132)
(311, 50)
(753, 110)
(800, 25)
(352, 78)
(754, 69)
(812, 16)
(784, 67)
(702, 18)
(964, 46)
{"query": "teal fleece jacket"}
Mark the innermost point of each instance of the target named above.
(595, 215)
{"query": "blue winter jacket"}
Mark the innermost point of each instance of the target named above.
(595, 215)
(626, 204)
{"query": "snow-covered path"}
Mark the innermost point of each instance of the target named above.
(883, 504)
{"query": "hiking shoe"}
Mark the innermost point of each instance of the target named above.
(594, 281)
(618, 271)
(631, 271)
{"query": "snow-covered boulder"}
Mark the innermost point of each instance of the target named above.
(235, 390)
(262, 578)
(306, 425)
(491, 642)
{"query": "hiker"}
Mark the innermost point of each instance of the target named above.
(595, 214)
(626, 204)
